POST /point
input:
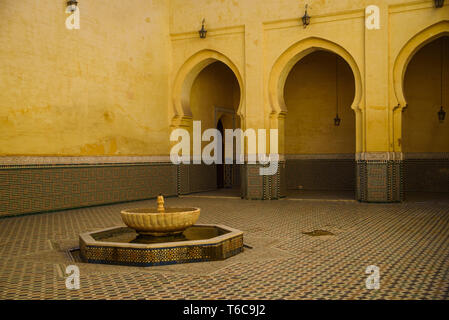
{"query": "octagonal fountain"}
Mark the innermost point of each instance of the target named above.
(160, 236)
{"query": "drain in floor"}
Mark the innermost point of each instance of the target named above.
(319, 233)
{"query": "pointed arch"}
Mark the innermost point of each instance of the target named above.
(409, 50)
(187, 75)
(296, 52)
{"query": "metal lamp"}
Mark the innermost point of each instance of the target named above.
(306, 18)
(438, 3)
(203, 31)
(337, 120)
(441, 114)
(72, 4)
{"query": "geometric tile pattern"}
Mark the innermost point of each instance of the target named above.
(196, 178)
(379, 180)
(408, 241)
(282, 179)
(276, 186)
(231, 175)
(257, 187)
(40, 188)
(227, 175)
(252, 182)
(143, 256)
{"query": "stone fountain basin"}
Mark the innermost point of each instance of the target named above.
(123, 246)
(149, 221)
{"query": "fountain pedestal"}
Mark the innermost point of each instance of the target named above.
(161, 221)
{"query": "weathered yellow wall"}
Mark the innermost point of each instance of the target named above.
(422, 131)
(310, 96)
(100, 90)
(108, 89)
(270, 28)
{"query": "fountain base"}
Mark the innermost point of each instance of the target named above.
(124, 246)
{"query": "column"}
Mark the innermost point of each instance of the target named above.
(379, 173)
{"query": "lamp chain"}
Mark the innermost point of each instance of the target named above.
(442, 68)
(336, 79)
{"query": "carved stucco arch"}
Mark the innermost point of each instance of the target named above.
(296, 52)
(187, 75)
(407, 53)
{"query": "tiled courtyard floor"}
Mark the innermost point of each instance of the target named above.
(409, 242)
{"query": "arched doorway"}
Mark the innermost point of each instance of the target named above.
(320, 127)
(206, 83)
(214, 101)
(280, 112)
(425, 137)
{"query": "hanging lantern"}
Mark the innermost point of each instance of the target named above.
(71, 5)
(337, 120)
(441, 115)
(306, 18)
(203, 31)
(439, 3)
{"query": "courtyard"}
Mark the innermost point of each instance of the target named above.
(108, 107)
(408, 241)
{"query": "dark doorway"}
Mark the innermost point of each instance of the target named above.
(220, 167)
(425, 138)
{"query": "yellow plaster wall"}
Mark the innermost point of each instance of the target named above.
(310, 96)
(422, 131)
(107, 89)
(100, 90)
(331, 24)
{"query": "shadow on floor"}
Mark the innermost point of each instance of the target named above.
(291, 194)
(325, 195)
(426, 197)
(320, 195)
(219, 193)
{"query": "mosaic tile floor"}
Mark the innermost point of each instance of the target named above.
(409, 242)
